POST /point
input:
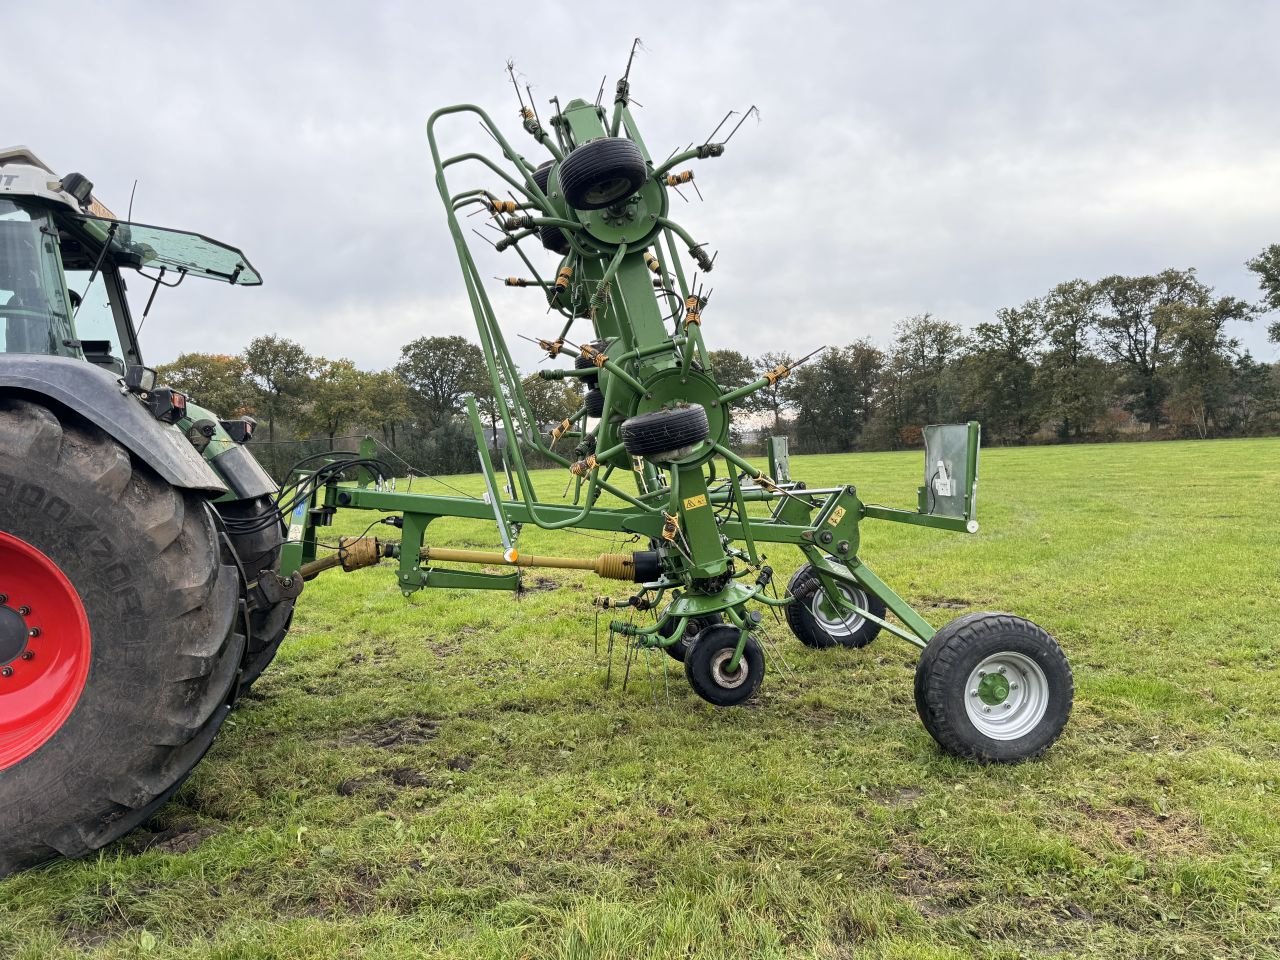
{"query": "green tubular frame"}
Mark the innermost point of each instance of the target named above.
(714, 542)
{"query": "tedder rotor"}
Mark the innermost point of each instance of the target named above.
(653, 434)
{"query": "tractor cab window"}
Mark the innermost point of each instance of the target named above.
(34, 306)
(101, 320)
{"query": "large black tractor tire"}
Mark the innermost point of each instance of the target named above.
(994, 688)
(552, 238)
(132, 594)
(602, 172)
(814, 622)
(665, 435)
(259, 554)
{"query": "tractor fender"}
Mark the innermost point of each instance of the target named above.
(100, 397)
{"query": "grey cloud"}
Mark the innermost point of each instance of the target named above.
(931, 156)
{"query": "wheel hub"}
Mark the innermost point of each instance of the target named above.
(720, 670)
(1006, 696)
(13, 635)
(44, 649)
(835, 622)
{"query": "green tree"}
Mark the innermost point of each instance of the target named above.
(388, 406)
(440, 372)
(774, 399)
(835, 396)
(1205, 366)
(1267, 266)
(1002, 367)
(281, 371)
(340, 397)
(214, 380)
(1075, 382)
(732, 369)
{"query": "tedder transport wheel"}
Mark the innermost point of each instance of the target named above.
(993, 687)
(665, 434)
(706, 664)
(258, 550)
(121, 635)
(582, 363)
(692, 627)
(817, 624)
(601, 172)
(552, 238)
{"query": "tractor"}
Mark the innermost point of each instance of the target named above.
(149, 567)
(138, 537)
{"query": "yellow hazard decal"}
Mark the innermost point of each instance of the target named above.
(836, 516)
(693, 503)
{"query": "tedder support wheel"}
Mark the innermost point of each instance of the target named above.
(994, 687)
(666, 434)
(257, 544)
(594, 402)
(816, 623)
(692, 627)
(552, 238)
(706, 664)
(602, 172)
(122, 631)
(583, 363)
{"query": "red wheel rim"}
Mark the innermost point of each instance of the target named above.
(44, 649)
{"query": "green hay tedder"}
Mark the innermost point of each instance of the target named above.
(149, 568)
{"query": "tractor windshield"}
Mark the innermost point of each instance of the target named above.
(140, 246)
(35, 314)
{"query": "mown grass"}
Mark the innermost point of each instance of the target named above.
(447, 776)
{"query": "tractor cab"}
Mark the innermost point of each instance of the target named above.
(63, 259)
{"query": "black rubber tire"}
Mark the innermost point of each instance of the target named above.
(692, 627)
(705, 655)
(661, 435)
(542, 174)
(955, 652)
(602, 172)
(810, 631)
(552, 238)
(594, 402)
(161, 592)
(585, 363)
(259, 551)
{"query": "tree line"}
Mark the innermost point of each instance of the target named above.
(1120, 357)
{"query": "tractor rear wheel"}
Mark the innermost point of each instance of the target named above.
(259, 553)
(123, 630)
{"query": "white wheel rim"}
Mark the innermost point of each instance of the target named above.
(719, 666)
(833, 622)
(1006, 696)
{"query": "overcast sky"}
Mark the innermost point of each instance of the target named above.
(943, 157)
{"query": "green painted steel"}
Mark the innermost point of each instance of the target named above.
(624, 299)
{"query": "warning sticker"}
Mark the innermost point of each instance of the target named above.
(693, 503)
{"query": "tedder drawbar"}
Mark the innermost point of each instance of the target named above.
(653, 433)
(149, 567)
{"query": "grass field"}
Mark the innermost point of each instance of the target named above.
(447, 776)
